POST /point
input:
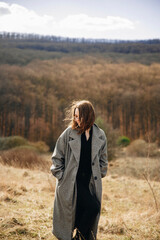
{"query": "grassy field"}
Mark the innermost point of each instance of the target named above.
(128, 206)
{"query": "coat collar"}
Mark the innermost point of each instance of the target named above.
(75, 142)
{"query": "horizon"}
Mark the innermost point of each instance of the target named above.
(62, 38)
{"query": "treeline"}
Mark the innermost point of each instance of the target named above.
(52, 38)
(22, 51)
(33, 98)
(135, 48)
(67, 45)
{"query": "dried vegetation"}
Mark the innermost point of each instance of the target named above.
(128, 207)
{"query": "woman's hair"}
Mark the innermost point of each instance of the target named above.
(86, 115)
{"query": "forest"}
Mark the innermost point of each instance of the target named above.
(39, 79)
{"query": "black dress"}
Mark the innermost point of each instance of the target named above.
(87, 204)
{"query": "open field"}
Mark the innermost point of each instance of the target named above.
(128, 207)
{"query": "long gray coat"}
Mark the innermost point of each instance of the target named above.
(65, 160)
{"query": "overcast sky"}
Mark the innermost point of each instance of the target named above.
(110, 19)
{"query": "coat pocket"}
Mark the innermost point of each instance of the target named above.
(60, 180)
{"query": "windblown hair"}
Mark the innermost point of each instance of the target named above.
(86, 115)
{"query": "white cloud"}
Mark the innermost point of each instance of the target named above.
(19, 19)
(85, 22)
(4, 9)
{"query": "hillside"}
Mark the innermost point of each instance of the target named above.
(40, 77)
(34, 97)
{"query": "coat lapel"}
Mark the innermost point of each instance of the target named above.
(96, 141)
(75, 142)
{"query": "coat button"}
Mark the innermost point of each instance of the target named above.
(92, 163)
(95, 178)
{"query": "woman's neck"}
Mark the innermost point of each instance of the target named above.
(87, 133)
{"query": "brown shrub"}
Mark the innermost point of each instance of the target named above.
(140, 148)
(40, 146)
(24, 158)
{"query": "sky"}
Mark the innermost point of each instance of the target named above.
(100, 19)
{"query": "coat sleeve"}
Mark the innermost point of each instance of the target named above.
(104, 158)
(58, 158)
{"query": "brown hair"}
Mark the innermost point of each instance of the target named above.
(86, 115)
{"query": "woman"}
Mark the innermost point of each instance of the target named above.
(79, 162)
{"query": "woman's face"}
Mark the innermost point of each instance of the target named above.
(76, 117)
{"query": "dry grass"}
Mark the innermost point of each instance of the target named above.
(24, 158)
(128, 210)
(26, 204)
(140, 148)
(26, 201)
(136, 167)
